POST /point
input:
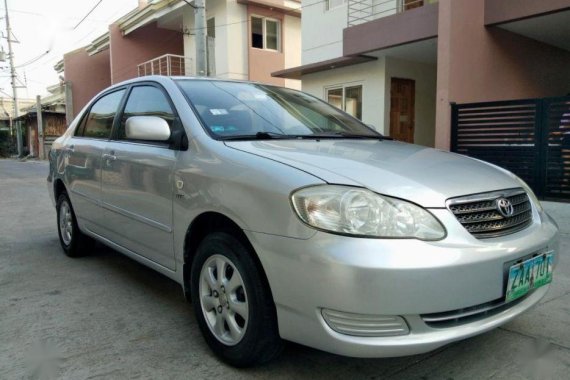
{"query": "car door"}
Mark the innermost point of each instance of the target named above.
(83, 159)
(138, 185)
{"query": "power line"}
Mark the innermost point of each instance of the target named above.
(37, 14)
(88, 13)
(34, 59)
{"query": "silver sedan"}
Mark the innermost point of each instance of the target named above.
(284, 218)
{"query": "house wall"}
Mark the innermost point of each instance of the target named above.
(141, 45)
(263, 62)
(235, 59)
(88, 75)
(425, 76)
(372, 77)
(375, 78)
(292, 47)
(231, 38)
(54, 124)
(322, 31)
(487, 64)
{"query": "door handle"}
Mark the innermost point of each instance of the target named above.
(70, 149)
(109, 157)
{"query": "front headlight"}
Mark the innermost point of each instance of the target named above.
(360, 212)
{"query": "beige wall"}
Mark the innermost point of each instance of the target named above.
(292, 47)
(263, 62)
(425, 76)
(231, 38)
(486, 64)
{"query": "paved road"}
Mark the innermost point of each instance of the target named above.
(107, 317)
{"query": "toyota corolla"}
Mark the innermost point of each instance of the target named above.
(284, 218)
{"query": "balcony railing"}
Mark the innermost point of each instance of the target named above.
(168, 64)
(361, 11)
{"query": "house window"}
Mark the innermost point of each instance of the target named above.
(348, 99)
(211, 27)
(332, 4)
(265, 33)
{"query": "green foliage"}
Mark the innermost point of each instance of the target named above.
(6, 143)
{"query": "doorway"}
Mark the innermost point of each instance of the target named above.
(402, 109)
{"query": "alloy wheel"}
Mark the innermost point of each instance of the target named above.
(223, 299)
(65, 223)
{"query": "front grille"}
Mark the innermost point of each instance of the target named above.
(466, 315)
(480, 214)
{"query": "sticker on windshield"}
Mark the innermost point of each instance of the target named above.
(218, 111)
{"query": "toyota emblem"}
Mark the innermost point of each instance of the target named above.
(505, 207)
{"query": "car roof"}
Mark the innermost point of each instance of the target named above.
(164, 78)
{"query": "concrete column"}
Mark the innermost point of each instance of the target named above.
(69, 115)
(443, 109)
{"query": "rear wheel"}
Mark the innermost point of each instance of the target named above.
(73, 241)
(232, 302)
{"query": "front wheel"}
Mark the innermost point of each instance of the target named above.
(73, 241)
(232, 302)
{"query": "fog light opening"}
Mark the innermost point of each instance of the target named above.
(365, 325)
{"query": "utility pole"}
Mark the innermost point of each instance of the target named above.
(39, 118)
(14, 85)
(201, 35)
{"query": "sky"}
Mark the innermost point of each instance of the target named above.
(46, 29)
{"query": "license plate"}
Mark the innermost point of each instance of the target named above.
(530, 274)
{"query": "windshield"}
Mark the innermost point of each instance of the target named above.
(234, 109)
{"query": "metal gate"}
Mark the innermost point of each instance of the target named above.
(529, 137)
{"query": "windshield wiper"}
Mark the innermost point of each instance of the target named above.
(334, 135)
(259, 136)
(344, 135)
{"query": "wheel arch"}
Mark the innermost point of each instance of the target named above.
(205, 224)
(58, 188)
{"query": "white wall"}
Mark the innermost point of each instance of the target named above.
(370, 75)
(235, 59)
(322, 31)
(425, 76)
(292, 47)
(231, 40)
(375, 78)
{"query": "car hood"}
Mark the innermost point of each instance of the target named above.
(422, 175)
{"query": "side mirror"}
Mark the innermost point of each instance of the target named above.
(150, 128)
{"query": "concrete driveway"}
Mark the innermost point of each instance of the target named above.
(107, 317)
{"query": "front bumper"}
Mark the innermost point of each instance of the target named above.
(407, 278)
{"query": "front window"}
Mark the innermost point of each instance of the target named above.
(348, 99)
(265, 33)
(233, 109)
(146, 101)
(99, 122)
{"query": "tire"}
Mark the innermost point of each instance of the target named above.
(72, 240)
(235, 312)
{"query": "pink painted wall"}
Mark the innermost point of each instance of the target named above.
(476, 63)
(139, 46)
(88, 75)
(263, 62)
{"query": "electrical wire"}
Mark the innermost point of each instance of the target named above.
(88, 13)
(34, 59)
